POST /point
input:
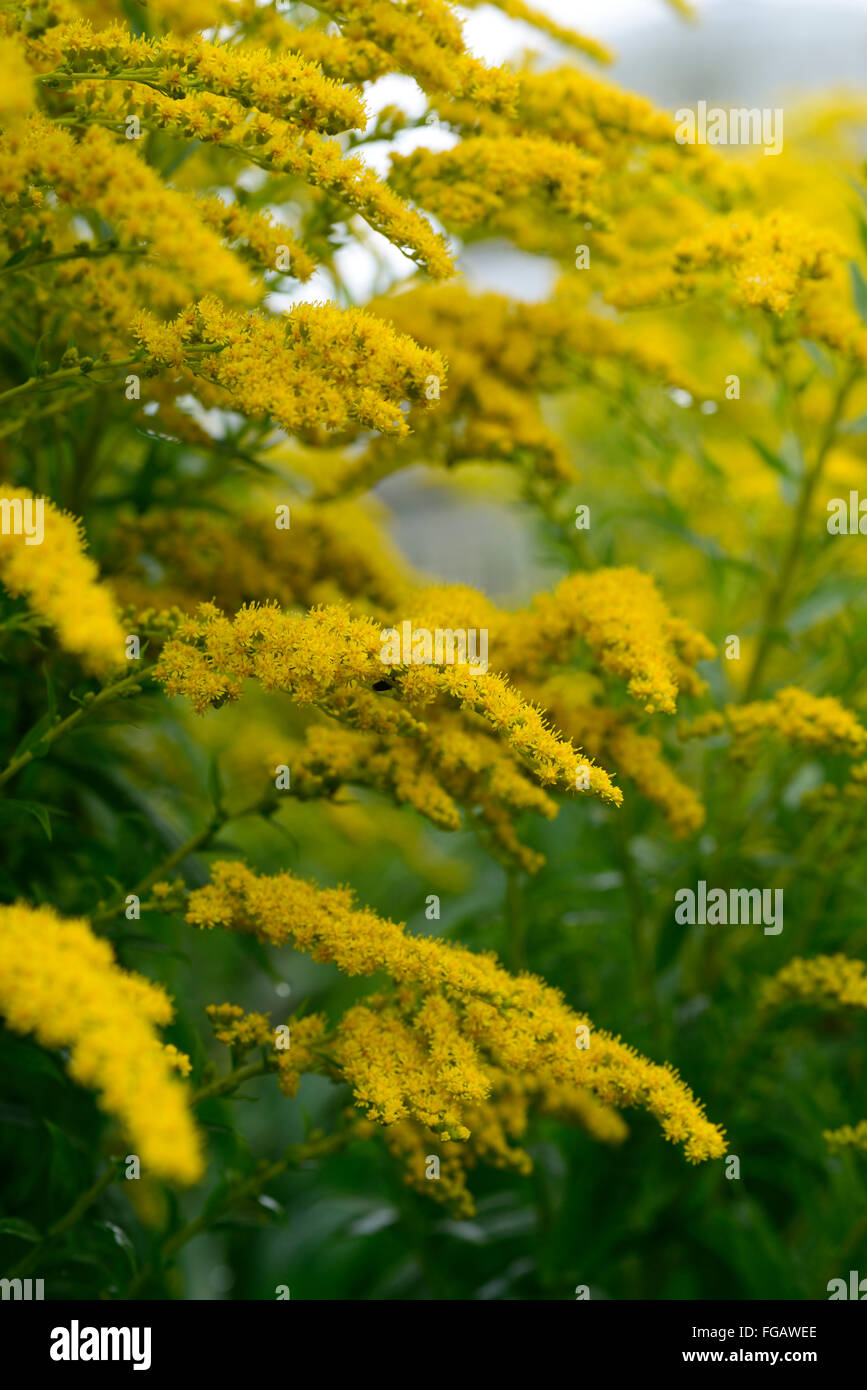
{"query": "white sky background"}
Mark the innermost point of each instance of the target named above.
(491, 36)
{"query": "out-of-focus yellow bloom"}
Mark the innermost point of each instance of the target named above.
(847, 1137)
(61, 983)
(16, 82)
(815, 722)
(61, 584)
(179, 1060)
(825, 980)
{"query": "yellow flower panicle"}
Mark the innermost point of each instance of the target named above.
(238, 1029)
(280, 148)
(419, 37)
(300, 1052)
(769, 261)
(829, 982)
(316, 658)
(317, 366)
(494, 1126)
(825, 980)
(847, 1137)
(257, 236)
(807, 721)
(335, 552)
(814, 722)
(61, 983)
(517, 1024)
(502, 356)
(61, 584)
(105, 174)
(636, 756)
(178, 1060)
(479, 181)
(282, 84)
(621, 616)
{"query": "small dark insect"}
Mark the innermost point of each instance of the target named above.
(383, 685)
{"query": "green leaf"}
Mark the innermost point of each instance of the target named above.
(33, 738)
(8, 807)
(11, 1226)
(859, 290)
(856, 426)
(215, 782)
(773, 460)
(820, 358)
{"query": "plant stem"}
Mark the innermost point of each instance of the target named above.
(197, 841)
(317, 1146)
(63, 375)
(129, 685)
(75, 1213)
(231, 1081)
(516, 923)
(87, 255)
(778, 595)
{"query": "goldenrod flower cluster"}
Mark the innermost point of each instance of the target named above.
(321, 657)
(423, 1051)
(62, 586)
(494, 1124)
(166, 186)
(815, 722)
(847, 1137)
(826, 980)
(302, 1051)
(829, 982)
(61, 983)
(768, 259)
(320, 366)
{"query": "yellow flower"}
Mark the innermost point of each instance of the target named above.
(16, 82)
(847, 1137)
(518, 1024)
(61, 584)
(808, 721)
(61, 983)
(318, 365)
(826, 980)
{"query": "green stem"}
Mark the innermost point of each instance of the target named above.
(232, 1080)
(86, 255)
(317, 1146)
(516, 922)
(129, 685)
(61, 377)
(778, 595)
(74, 1215)
(197, 841)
